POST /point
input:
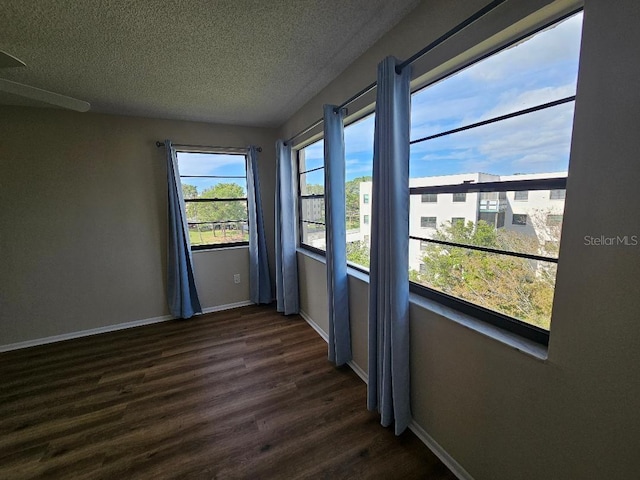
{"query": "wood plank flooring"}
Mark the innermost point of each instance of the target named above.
(246, 393)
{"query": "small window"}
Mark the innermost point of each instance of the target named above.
(553, 220)
(457, 221)
(423, 268)
(488, 195)
(311, 196)
(366, 219)
(429, 198)
(519, 219)
(365, 198)
(428, 222)
(214, 188)
(460, 197)
(521, 196)
(557, 194)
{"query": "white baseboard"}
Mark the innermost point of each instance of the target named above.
(111, 328)
(228, 306)
(437, 450)
(440, 452)
(315, 326)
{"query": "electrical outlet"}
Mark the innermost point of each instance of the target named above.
(236, 278)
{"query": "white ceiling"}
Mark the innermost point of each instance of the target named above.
(242, 62)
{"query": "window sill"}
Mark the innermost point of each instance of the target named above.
(218, 249)
(512, 340)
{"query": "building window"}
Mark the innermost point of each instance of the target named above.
(558, 194)
(459, 197)
(519, 219)
(554, 220)
(521, 196)
(311, 197)
(464, 263)
(428, 222)
(366, 220)
(365, 198)
(429, 198)
(214, 187)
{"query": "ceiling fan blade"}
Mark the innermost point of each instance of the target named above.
(43, 95)
(9, 61)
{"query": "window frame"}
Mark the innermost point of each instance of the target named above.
(215, 151)
(300, 197)
(526, 330)
(511, 324)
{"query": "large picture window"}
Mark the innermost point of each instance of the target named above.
(494, 137)
(214, 187)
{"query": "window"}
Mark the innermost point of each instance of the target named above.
(214, 187)
(459, 197)
(311, 196)
(558, 194)
(429, 198)
(519, 219)
(358, 148)
(358, 137)
(498, 129)
(554, 220)
(428, 222)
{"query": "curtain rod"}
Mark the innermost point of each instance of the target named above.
(161, 144)
(457, 29)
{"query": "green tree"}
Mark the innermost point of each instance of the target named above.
(190, 192)
(313, 189)
(231, 214)
(352, 192)
(517, 287)
(358, 253)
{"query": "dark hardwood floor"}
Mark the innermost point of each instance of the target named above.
(245, 393)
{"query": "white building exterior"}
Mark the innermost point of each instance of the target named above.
(537, 213)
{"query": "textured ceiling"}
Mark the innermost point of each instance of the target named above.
(243, 62)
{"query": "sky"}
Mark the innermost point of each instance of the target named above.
(211, 164)
(539, 70)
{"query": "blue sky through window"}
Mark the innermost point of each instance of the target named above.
(541, 69)
(215, 164)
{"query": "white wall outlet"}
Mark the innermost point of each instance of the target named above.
(236, 278)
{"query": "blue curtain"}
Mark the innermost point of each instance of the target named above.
(389, 387)
(259, 281)
(182, 296)
(286, 260)
(334, 198)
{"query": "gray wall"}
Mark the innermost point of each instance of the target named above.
(501, 413)
(83, 220)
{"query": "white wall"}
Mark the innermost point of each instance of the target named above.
(499, 412)
(83, 220)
